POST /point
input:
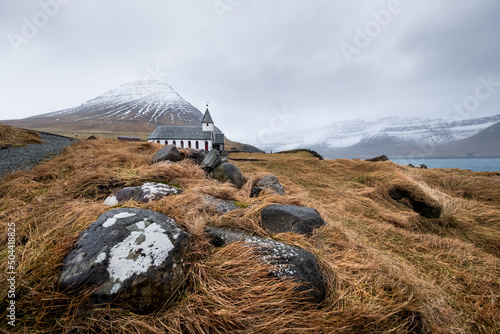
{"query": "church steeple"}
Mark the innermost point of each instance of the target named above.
(207, 118)
(207, 123)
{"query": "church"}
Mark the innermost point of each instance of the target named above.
(205, 136)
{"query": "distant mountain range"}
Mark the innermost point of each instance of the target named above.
(137, 108)
(396, 137)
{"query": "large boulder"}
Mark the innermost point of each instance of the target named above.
(290, 262)
(219, 205)
(231, 173)
(272, 183)
(148, 192)
(211, 161)
(169, 153)
(290, 218)
(196, 156)
(129, 256)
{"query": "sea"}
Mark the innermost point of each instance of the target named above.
(475, 165)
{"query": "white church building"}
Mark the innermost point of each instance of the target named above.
(205, 136)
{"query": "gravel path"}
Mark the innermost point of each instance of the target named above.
(26, 157)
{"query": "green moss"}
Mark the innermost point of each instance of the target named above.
(241, 205)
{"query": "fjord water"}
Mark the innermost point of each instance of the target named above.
(476, 165)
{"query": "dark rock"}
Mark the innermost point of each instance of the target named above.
(169, 153)
(290, 218)
(255, 192)
(380, 158)
(211, 161)
(231, 173)
(148, 192)
(426, 207)
(196, 156)
(129, 256)
(272, 183)
(291, 262)
(220, 206)
(92, 137)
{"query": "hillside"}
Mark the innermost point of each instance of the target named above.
(14, 137)
(386, 267)
(484, 144)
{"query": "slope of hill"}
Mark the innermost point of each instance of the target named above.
(13, 137)
(485, 144)
(386, 267)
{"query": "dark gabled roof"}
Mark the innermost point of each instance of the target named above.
(180, 132)
(219, 138)
(207, 118)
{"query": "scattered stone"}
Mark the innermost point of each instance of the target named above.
(229, 172)
(211, 161)
(272, 183)
(169, 153)
(148, 192)
(380, 158)
(133, 256)
(290, 218)
(220, 205)
(255, 192)
(419, 203)
(290, 261)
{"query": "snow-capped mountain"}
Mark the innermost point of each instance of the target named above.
(389, 131)
(154, 102)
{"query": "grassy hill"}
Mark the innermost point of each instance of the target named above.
(12, 137)
(387, 268)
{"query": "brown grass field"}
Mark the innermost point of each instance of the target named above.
(387, 269)
(12, 137)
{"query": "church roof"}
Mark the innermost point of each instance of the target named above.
(185, 132)
(180, 132)
(207, 118)
(219, 138)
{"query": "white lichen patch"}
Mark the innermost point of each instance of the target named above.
(141, 225)
(152, 251)
(101, 257)
(111, 221)
(115, 288)
(111, 200)
(151, 190)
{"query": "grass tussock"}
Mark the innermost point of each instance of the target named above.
(13, 137)
(386, 267)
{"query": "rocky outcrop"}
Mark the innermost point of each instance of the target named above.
(132, 257)
(380, 158)
(146, 193)
(211, 161)
(272, 183)
(169, 153)
(229, 172)
(291, 262)
(290, 218)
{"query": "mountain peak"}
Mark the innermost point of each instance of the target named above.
(154, 102)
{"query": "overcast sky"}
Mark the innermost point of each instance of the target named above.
(310, 62)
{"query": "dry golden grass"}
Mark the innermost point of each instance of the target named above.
(386, 268)
(11, 136)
